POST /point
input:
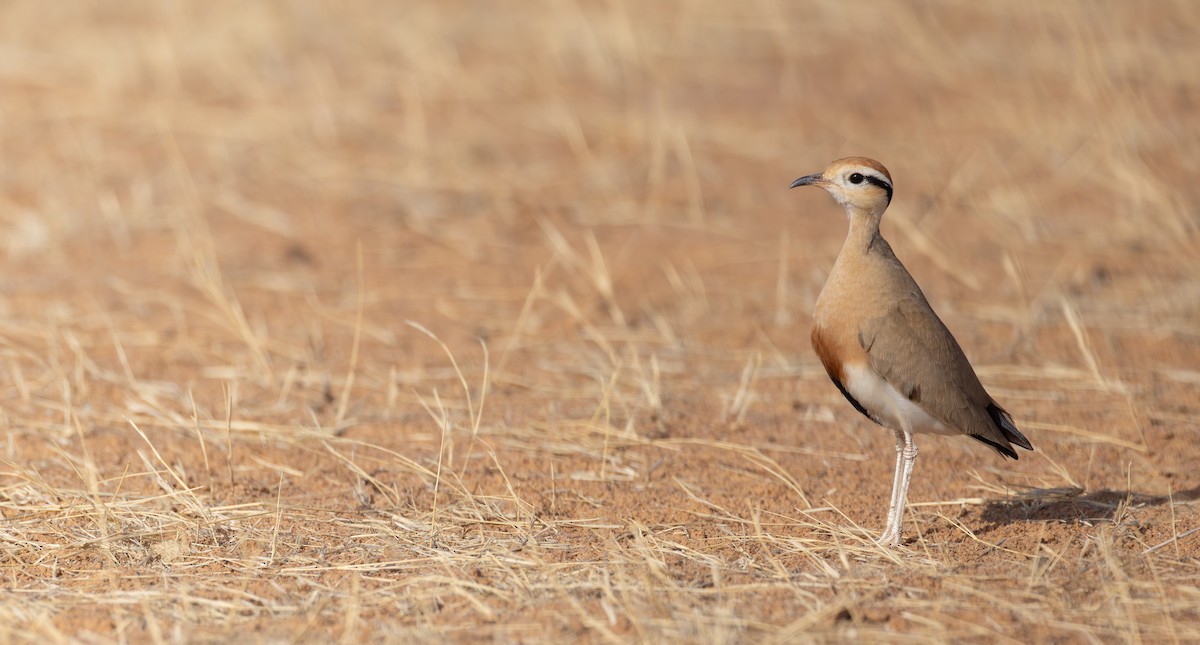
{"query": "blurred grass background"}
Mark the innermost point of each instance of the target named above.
(219, 216)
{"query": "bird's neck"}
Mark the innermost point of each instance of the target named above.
(864, 230)
(853, 272)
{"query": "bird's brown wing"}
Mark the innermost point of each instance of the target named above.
(912, 350)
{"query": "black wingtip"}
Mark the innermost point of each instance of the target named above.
(1001, 448)
(1006, 426)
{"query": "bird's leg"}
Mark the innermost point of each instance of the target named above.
(910, 457)
(891, 534)
(906, 456)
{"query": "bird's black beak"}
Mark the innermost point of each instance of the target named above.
(806, 180)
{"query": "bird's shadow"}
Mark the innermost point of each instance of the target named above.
(1075, 505)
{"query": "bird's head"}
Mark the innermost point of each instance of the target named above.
(857, 183)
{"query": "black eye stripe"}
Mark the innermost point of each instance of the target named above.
(876, 181)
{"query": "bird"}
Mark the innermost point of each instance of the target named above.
(884, 347)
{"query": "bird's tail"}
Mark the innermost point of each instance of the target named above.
(1005, 423)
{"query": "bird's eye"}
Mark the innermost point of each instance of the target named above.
(856, 178)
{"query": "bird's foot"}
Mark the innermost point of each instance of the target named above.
(889, 539)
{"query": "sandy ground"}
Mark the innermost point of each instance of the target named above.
(475, 321)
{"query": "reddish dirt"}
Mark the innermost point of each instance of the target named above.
(230, 228)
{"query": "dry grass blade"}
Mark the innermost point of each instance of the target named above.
(344, 399)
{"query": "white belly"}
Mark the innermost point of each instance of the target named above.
(887, 404)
